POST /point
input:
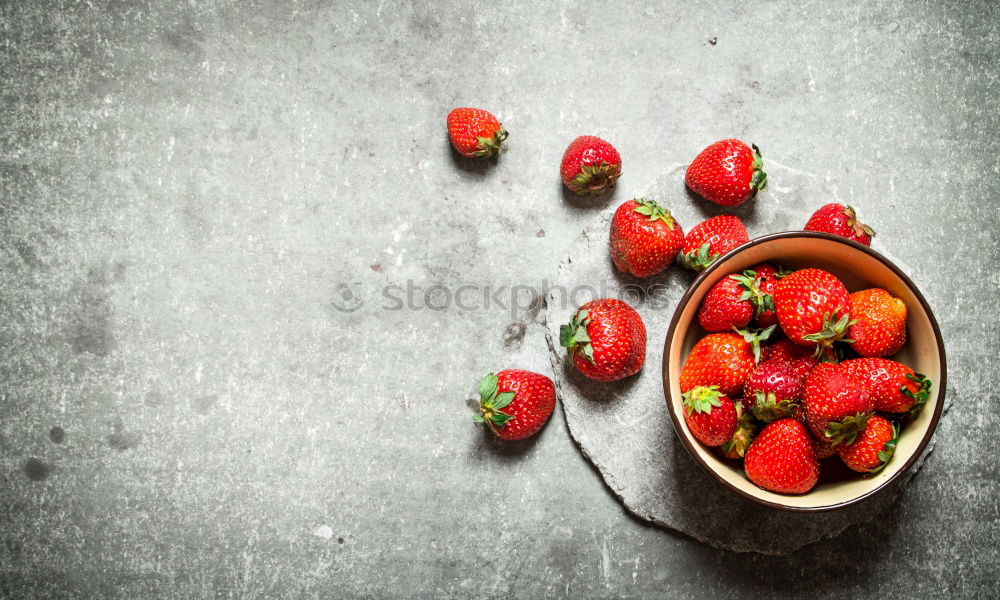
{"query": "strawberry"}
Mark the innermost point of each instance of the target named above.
(837, 405)
(515, 404)
(645, 238)
(766, 278)
(772, 390)
(736, 447)
(723, 360)
(813, 308)
(606, 338)
(893, 386)
(710, 415)
(799, 357)
(873, 448)
(782, 458)
(840, 220)
(710, 239)
(727, 173)
(590, 165)
(879, 327)
(475, 132)
(727, 304)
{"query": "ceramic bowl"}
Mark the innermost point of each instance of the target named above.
(859, 267)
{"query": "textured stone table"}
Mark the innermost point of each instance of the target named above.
(235, 358)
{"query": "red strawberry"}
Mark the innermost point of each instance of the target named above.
(873, 448)
(710, 415)
(772, 390)
(893, 386)
(590, 165)
(800, 358)
(606, 339)
(837, 405)
(840, 220)
(879, 327)
(723, 360)
(728, 173)
(475, 132)
(645, 239)
(766, 278)
(813, 308)
(515, 404)
(727, 304)
(746, 429)
(710, 239)
(782, 458)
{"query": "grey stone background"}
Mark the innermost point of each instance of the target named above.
(193, 192)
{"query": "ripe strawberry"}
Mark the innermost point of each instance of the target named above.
(746, 430)
(723, 360)
(710, 415)
(728, 173)
(813, 308)
(773, 390)
(893, 386)
(590, 165)
(840, 220)
(837, 404)
(879, 327)
(475, 132)
(727, 304)
(874, 447)
(645, 238)
(782, 458)
(606, 339)
(515, 404)
(710, 239)
(800, 358)
(766, 278)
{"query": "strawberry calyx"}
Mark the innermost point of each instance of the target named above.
(754, 337)
(699, 259)
(654, 211)
(702, 399)
(761, 301)
(846, 430)
(488, 146)
(833, 330)
(744, 434)
(758, 180)
(574, 337)
(920, 396)
(860, 229)
(767, 407)
(887, 451)
(490, 403)
(593, 179)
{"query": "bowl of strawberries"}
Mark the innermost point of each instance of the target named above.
(804, 371)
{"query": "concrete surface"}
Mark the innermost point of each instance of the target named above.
(194, 195)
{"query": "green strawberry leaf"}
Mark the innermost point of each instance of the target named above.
(888, 449)
(503, 400)
(574, 336)
(846, 430)
(702, 399)
(487, 388)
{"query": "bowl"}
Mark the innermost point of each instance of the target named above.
(859, 267)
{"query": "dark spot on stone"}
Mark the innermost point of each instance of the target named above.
(754, 85)
(514, 334)
(541, 233)
(713, 41)
(376, 267)
(91, 326)
(156, 398)
(57, 434)
(204, 404)
(371, 155)
(404, 404)
(27, 254)
(36, 470)
(121, 440)
(340, 540)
